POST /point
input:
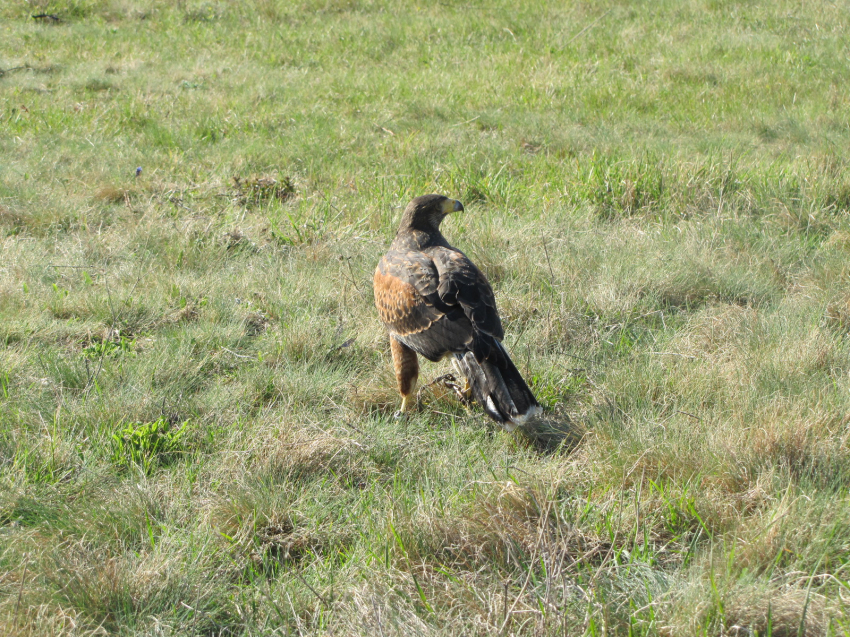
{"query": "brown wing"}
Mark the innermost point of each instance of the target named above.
(409, 305)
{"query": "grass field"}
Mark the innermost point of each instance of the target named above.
(196, 396)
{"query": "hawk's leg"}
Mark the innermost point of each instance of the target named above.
(406, 365)
(466, 390)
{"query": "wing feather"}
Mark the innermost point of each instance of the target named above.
(400, 305)
(463, 284)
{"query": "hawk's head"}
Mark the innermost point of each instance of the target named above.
(427, 212)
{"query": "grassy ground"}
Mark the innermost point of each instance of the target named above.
(196, 422)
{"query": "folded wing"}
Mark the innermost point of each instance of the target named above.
(409, 304)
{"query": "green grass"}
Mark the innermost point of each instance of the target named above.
(196, 396)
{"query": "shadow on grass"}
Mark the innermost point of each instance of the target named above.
(552, 432)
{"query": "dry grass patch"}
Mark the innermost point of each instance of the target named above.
(263, 531)
(305, 451)
(747, 608)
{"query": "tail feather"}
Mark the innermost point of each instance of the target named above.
(499, 389)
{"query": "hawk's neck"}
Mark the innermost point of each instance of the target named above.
(410, 239)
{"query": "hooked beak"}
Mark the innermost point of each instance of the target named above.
(452, 205)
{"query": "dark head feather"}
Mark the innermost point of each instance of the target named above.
(425, 213)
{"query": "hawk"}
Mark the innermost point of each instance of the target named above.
(436, 303)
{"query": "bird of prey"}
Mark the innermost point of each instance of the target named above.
(435, 302)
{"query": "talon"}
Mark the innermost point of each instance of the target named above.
(465, 392)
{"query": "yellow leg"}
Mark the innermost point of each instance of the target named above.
(408, 402)
(406, 366)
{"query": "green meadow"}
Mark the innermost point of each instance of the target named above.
(197, 404)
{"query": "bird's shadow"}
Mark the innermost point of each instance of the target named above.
(552, 432)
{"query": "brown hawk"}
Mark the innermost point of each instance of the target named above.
(435, 302)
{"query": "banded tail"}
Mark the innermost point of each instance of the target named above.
(499, 388)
